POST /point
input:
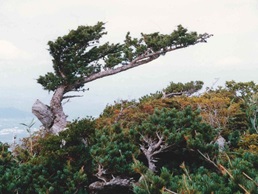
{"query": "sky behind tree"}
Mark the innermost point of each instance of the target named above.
(27, 26)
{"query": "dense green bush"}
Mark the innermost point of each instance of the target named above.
(162, 145)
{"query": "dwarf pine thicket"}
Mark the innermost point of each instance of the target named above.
(160, 144)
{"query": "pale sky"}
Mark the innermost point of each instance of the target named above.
(27, 26)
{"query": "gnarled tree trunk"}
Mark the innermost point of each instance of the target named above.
(151, 147)
(53, 118)
(43, 113)
(60, 121)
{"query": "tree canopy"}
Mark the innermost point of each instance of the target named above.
(80, 57)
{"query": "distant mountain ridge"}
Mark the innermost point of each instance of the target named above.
(11, 112)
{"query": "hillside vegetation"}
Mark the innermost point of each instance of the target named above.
(172, 141)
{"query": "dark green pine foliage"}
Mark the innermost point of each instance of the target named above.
(182, 131)
(39, 178)
(183, 134)
(77, 55)
(189, 172)
(6, 164)
(241, 178)
(113, 151)
(152, 183)
(59, 164)
(183, 88)
(67, 156)
(187, 158)
(81, 54)
(175, 89)
(248, 93)
(243, 89)
(202, 181)
(81, 57)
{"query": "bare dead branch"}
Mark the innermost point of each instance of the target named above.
(250, 178)
(208, 159)
(157, 145)
(169, 191)
(172, 94)
(145, 139)
(242, 187)
(152, 147)
(100, 173)
(72, 96)
(161, 149)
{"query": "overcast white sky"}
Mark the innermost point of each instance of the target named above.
(27, 26)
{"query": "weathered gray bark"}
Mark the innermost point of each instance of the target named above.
(152, 147)
(53, 118)
(221, 143)
(60, 121)
(43, 113)
(115, 185)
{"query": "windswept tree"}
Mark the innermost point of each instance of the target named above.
(79, 58)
